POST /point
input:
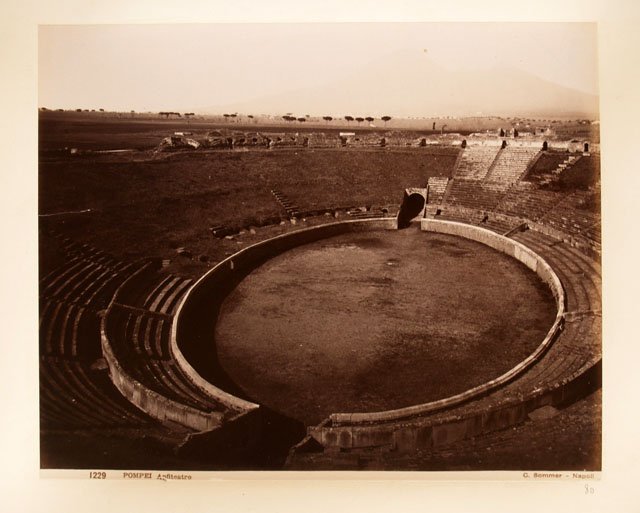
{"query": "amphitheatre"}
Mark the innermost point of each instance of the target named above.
(273, 298)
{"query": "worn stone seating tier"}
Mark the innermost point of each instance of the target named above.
(510, 165)
(84, 280)
(526, 202)
(580, 275)
(437, 186)
(473, 194)
(63, 325)
(561, 214)
(568, 217)
(460, 214)
(499, 224)
(75, 395)
(136, 331)
(475, 162)
(75, 389)
(140, 341)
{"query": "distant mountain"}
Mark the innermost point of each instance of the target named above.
(409, 84)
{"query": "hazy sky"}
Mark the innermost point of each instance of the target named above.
(181, 67)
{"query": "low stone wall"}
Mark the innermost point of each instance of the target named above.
(228, 272)
(421, 433)
(150, 402)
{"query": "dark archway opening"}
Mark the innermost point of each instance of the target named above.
(412, 205)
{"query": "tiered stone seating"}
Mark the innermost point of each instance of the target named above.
(510, 165)
(137, 326)
(474, 195)
(154, 291)
(437, 186)
(366, 214)
(85, 277)
(166, 296)
(461, 215)
(499, 224)
(567, 163)
(526, 202)
(75, 390)
(581, 224)
(140, 341)
(475, 162)
(62, 324)
(73, 395)
(580, 274)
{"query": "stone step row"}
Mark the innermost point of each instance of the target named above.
(86, 252)
(473, 195)
(141, 345)
(475, 162)
(66, 329)
(437, 185)
(579, 274)
(84, 282)
(75, 396)
(370, 214)
(221, 231)
(290, 208)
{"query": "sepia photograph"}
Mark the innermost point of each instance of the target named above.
(320, 247)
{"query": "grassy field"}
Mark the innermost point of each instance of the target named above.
(150, 206)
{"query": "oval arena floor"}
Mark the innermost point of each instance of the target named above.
(377, 321)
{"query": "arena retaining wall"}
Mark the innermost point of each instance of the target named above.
(520, 253)
(211, 287)
(149, 401)
(152, 403)
(410, 434)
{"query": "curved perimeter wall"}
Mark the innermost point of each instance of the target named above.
(410, 428)
(515, 250)
(212, 288)
(152, 403)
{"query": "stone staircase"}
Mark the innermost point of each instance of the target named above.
(291, 209)
(510, 165)
(475, 162)
(568, 163)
